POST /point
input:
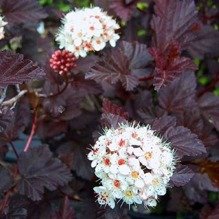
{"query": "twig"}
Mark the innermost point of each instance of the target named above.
(62, 90)
(32, 133)
(14, 149)
(56, 94)
(14, 99)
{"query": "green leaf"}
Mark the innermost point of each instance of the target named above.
(204, 80)
(45, 2)
(142, 6)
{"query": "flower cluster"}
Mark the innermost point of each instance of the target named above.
(87, 29)
(62, 61)
(2, 24)
(133, 164)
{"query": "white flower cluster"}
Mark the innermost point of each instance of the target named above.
(133, 164)
(2, 24)
(87, 29)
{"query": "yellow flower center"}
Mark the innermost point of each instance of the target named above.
(129, 193)
(148, 155)
(155, 182)
(135, 174)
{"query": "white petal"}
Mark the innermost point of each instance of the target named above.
(139, 183)
(138, 152)
(124, 169)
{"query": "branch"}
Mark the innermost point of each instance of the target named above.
(14, 99)
(32, 133)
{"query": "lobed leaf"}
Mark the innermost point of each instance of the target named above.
(6, 180)
(16, 70)
(174, 21)
(40, 171)
(182, 175)
(122, 9)
(113, 114)
(209, 105)
(80, 163)
(125, 64)
(205, 42)
(22, 11)
(169, 65)
(180, 94)
(182, 139)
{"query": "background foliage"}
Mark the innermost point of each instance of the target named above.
(164, 72)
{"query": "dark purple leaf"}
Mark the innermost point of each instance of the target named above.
(126, 64)
(182, 175)
(204, 42)
(6, 181)
(209, 105)
(65, 106)
(179, 95)
(22, 11)
(174, 21)
(16, 70)
(6, 116)
(50, 128)
(196, 189)
(192, 119)
(169, 65)
(65, 211)
(215, 213)
(80, 163)
(113, 114)
(40, 171)
(182, 140)
(162, 124)
(121, 9)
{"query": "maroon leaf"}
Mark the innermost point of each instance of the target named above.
(162, 124)
(113, 114)
(180, 94)
(80, 163)
(122, 9)
(169, 65)
(6, 116)
(204, 42)
(7, 180)
(40, 171)
(15, 69)
(191, 118)
(22, 11)
(125, 64)
(182, 140)
(182, 175)
(65, 106)
(209, 105)
(214, 214)
(65, 211)
(174, 21)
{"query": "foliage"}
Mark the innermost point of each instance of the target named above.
(163, 72)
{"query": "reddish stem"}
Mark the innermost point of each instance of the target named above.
(60, 91)
(146, 78)
(64, 206)
(32, 133)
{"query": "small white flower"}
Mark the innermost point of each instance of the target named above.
(2, 25)
(133, 165)
(86, 30)
(104, 196)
